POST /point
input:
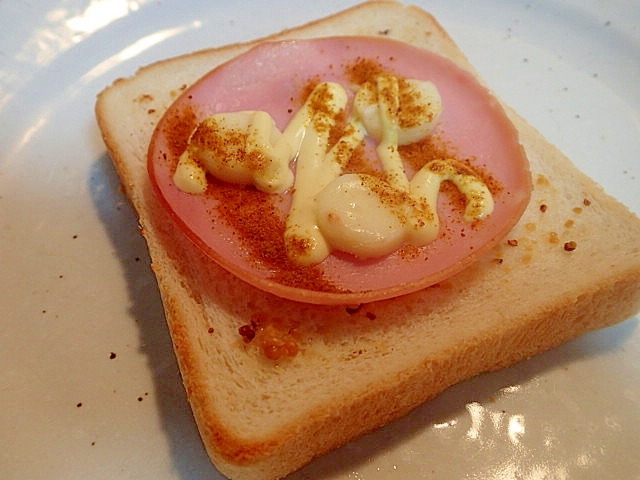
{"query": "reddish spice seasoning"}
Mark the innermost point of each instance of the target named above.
(362, 70)
(412, 110)
(433, 147)
(306, 90)
(260, 226)
(228, 145)
(178, 130)
(360, 163)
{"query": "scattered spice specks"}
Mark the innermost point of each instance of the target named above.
(79, 404)
(112, 355)
(570, 246)
(141, 397)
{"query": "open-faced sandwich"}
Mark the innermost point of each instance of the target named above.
(344, 221)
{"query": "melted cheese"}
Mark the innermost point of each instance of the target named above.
(359, 214)
(240, 147)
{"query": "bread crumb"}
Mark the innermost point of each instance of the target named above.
(354, 354)
(141, 398)
(175, 93)
(276, 343)
(145, 97)
(353, 310)
(247, 332)
(542, 180)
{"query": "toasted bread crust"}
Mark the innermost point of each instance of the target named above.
(254, 416)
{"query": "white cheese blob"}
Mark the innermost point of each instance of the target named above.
(189, 176)
(415, 104)
(242, 147)
(367, 217)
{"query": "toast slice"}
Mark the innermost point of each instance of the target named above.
(571, 265)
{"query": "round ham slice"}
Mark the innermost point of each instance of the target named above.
(241, 228)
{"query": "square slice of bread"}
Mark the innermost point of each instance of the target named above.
(358, 369)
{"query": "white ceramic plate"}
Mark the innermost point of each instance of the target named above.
(89, 387)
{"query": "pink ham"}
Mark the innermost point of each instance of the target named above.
(271, 77)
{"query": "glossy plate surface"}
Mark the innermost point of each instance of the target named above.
(89, 387)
